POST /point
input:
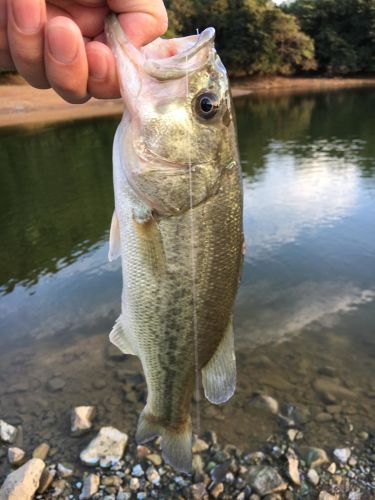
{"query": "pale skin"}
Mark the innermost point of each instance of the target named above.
(61, 43)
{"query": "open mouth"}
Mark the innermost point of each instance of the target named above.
(163, 59)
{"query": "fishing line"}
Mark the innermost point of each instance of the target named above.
(193, 261)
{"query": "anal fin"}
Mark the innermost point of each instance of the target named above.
(219, 374)
(120, 338)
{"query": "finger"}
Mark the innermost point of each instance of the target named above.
(102, 82)
(26, 20)
(142, 20)
(65, 59)
(6, 61)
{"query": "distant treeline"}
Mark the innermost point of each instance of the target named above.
(257, 37)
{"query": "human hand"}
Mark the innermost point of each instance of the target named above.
(61, 43)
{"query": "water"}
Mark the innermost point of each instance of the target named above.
(305, 308)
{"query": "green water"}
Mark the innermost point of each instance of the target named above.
(307, 294)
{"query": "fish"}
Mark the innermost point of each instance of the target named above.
(177, 227)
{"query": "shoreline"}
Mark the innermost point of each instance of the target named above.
(22, 105)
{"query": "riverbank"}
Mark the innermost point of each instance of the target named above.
(22, 105)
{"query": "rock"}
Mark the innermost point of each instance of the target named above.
(323, 417)
(363, 435)
(112, 481)
(293, 472)
(328, 371)
(313, 457)
(198, 492)
(137, 471)
(59, 488)
(198, 467)
(155, 459)
(333, 386)
(264, 479)
(134, 484)
(46, 479)
(153, 475)
(143, 451)
(81, 419)
(106, 449)
(22, 483)
(217, 490)
(199, 445)
(15, 455)
(332, 468)
(41, 451)
(65, 470)
(293, 434)
(56, 384)
(266, 403)
(342, 454)
(8, 433)
(90, 486)
(355, 495)
(323, 495)
(313, 477)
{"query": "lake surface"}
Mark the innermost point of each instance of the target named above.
(305, 312)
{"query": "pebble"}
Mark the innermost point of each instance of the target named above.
(56, 384)
(106, 449)
(324, 495)
(15, 455)
(217, 490)
(81, 419)
(293, 434)
(155, 459)
(313, 457)
(137, 471)
(198, 491)
(65, 470)
(323, 417)
(266, 403)
(265, 479)
(8, 433)
(23, 482)
(153, 475)
(46, 479)
(342, 454)
(199, 445)
(334, 387)
(143, 451)
(313, 477)
(332, 468)
(41, 451)
(90, 486)
(293, 472)
(134, 484)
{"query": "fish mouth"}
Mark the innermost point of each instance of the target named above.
(162, 59)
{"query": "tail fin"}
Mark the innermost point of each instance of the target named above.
(175, 443)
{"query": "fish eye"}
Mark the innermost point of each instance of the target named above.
(206, 105)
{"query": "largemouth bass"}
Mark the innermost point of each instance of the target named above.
(177, 226)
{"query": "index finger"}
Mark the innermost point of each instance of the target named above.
(142, 20)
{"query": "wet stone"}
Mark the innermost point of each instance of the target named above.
(265, 480)
(333, 386)
(56, 384)
(155, 459)
(313, 457)
(217, 490)
(313, 477)
(23, 482)
(324, 495)
(293, 472)
(46, 479)
(81, 419)
(332, 468)
(65, 470)
(199, 445)
(265, 403)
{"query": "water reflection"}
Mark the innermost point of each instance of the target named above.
(309, 166)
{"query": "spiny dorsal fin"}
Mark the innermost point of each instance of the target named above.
(219, 374)
(120, 338)
(114, 239)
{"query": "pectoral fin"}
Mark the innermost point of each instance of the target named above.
(150, 244)
(219, 374)
(114, 239)
(120, 338)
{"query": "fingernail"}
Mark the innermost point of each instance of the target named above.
(27, 15)
(62, 44)
(98, 67)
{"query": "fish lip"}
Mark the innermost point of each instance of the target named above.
(166, 68)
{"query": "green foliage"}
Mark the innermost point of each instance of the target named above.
(253, 36)
(343, 32)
